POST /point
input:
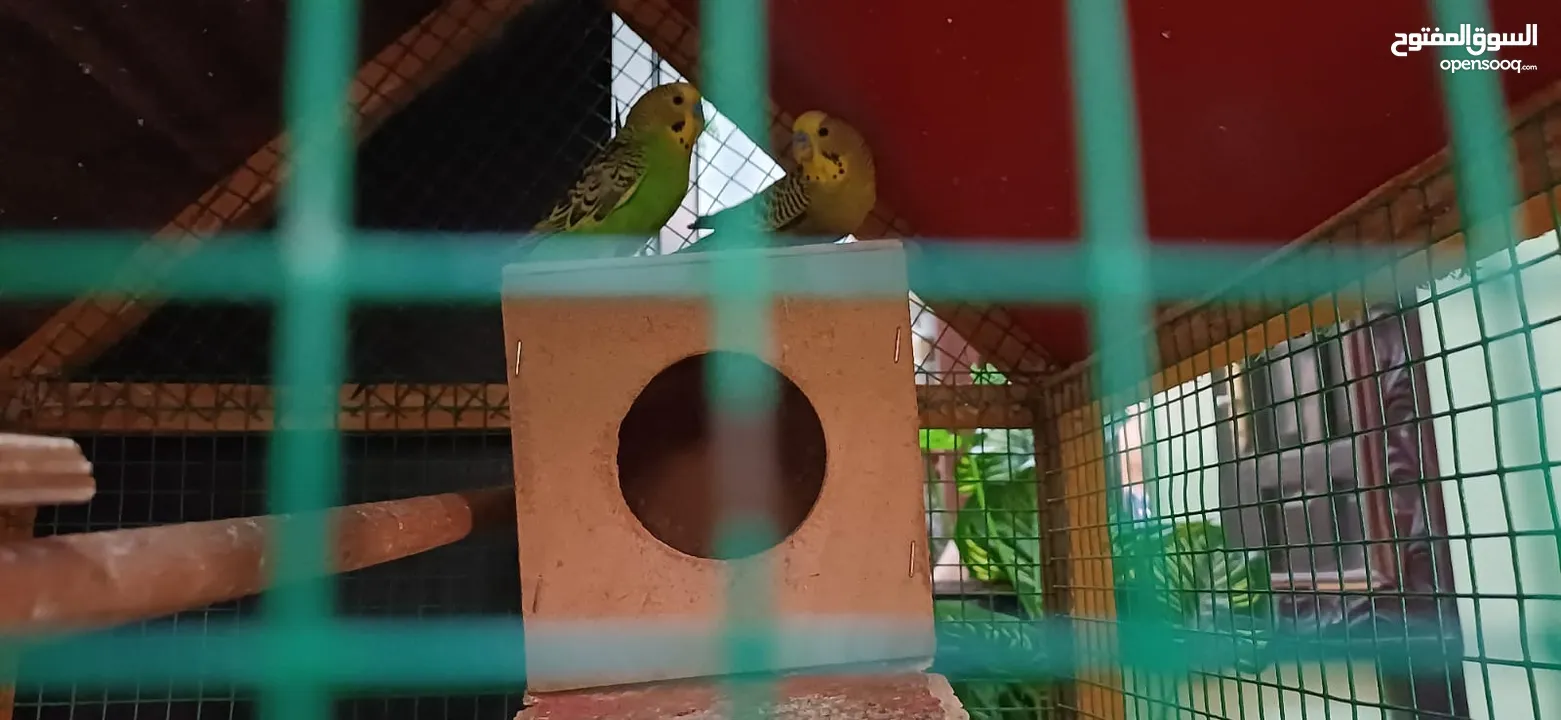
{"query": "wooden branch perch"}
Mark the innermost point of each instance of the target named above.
(134, 408)
(38, 470)
(87, 580)
(422, 55)
(35, 471)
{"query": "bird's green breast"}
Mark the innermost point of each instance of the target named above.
(658, 195)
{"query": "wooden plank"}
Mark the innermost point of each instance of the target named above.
(989, 329)
(170, 408)
(1089, 592)
(390, 80)
(964, 407)
(37, 470)
(134, 408)
(886, 693)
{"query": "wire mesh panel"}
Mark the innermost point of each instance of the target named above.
(146, 481)
(1346, 510)
(176, 415)
(985, 538)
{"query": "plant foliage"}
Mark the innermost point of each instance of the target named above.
(1183, 574)
(997, 531)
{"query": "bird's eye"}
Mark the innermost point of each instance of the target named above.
(823, 132)
(677, 99)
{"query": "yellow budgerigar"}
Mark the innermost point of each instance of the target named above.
(826, 197)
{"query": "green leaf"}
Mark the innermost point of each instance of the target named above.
(939, 441)
(1005, 456)
(987, 374)
(1183, 573)
(998, 532)
(988, 643)
(967, 475)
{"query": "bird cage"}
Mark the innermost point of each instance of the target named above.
(1309, 475)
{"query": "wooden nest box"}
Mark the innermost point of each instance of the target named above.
(614, 468)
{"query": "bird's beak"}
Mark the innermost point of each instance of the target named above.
(802, 146)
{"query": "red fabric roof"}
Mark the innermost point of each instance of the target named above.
(1258, 120)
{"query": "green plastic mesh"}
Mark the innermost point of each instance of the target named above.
(1352, 518)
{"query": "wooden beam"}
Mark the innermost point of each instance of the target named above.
(965, 407)
(1087, 589)
(390, 80)
(193, 408)
(989, 329)
(134, 408)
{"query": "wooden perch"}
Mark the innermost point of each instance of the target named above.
(390, 80)
(37, 470)
(71, 582)
(134, 408)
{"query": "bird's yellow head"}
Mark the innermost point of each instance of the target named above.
(673, 109)
(828, 150)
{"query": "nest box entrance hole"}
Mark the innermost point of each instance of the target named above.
(667, 456)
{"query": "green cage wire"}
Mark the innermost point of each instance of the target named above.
(1353, 518)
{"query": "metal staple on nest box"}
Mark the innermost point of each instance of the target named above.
(897, 345)
(38, 470)
(517, 358)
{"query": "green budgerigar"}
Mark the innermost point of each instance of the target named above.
(632, 186)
